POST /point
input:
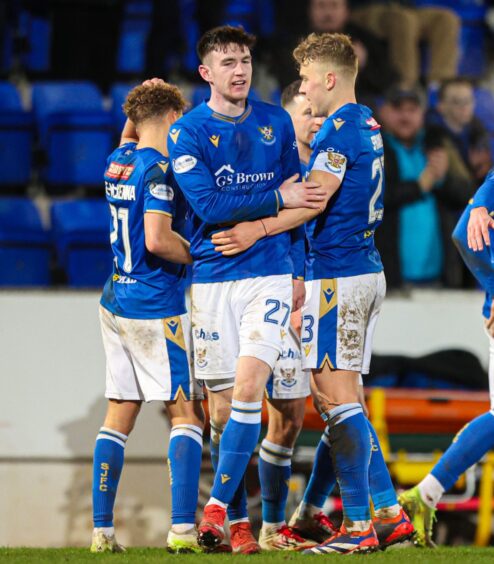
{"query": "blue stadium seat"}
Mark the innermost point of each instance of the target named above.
(37, 31)
(81, 237)
(16, 138)
(484, 107)
(75, 131)
(118, 93)
(24, 245)
(136, 24)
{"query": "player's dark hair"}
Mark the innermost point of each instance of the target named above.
(218, 39)
(445, 84)
(290, 92)
(147, 102)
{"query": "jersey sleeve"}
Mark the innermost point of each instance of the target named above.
(290, 161)
(297, 252)
(198, 186)
(484, 197)
(159, 194)
(336, 151)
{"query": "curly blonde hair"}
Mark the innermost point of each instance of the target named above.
(336, 48)
(146, 102)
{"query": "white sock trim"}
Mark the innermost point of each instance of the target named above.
(275, 454)
(241, 520)
(214, 501)
(113, 432)
(431, 490)
(191, 431)
(102, 436)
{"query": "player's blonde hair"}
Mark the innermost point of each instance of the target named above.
(335, 48)
(147, 102)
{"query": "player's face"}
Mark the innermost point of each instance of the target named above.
(305, 124)
(229, 72)
(457, 104)
(316, 86)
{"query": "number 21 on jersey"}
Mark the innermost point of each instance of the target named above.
(377, 174)
(122, 214)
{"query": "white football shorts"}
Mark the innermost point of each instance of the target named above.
(239, 318)
(338, 321)
(148, 359)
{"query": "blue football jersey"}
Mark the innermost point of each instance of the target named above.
(480, 263)
(229, 170)
(142, 285)
(341, 239)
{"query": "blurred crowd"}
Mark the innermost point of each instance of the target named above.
(437, 151)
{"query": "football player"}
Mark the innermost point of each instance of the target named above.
(145, 327)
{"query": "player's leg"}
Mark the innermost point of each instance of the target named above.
(261, 318)
(123, 408)
(467, 448)
(285, 421)
(184, 463)
(335, 319)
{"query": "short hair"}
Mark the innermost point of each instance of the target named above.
(332, 47)
(445, 84)
(219, 38)
(290, 92)
(146, 102)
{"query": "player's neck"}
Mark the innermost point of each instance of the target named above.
(153, 137)
(230, 108)
(304, 152)
(340, 99)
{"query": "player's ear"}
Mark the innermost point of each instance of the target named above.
(205, 73)
(330, 81)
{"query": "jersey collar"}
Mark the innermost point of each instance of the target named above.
(228, 119)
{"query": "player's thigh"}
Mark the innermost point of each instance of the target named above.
(185, 412)
(160, 350)
(215, 330)
(373, 316)
(335, 387)
(219, 402)
(263, 305)
(334, 321)
(121, 380)
(250, 379)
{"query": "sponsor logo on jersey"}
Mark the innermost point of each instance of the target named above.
(290, 353)
(215, 139)
(372, 123)
(335, 161)
(118, 279)
(267, 134)
(119, 171)
(200, 356)
(120, 191)
(377, 142)
(174, 133)
(338, 122)
(240, 180)
(162, 191)
(288, 379)
(206, 335)
(184, 164)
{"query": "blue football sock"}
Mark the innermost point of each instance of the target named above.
(350, 449)
(237, 510)
(382, 491)
(107, 466)
(184, 463)
(275, 469)
(467, 448)
(322, 479)
(237, 444)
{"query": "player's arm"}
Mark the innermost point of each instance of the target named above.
(129, 133)
(198, 185)
(162, 241)
(244, 235)
(480, 220)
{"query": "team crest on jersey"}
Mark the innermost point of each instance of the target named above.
(174, 133)
(215, 140)
(200, 356)
(119, 171)
(162, 192)
(267, 134)
(335, 161)
(338, 122)
(288, 379)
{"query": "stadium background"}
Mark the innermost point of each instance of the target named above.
(66, 67)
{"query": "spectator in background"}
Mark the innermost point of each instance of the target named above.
(329, 16)
(455, 114)
(405, 27)
(427, 187)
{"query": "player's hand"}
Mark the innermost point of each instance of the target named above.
(153, 81)
(239, 238)
(479, 224)
(489, 323)
(301, 194)
(298, 294)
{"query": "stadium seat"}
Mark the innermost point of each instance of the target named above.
(118, 94)
(136, 25)
(16, 138)
(24, 245)
(74, 130)
(81, 237)
(37, 33)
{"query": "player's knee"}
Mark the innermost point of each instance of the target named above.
(219, 415)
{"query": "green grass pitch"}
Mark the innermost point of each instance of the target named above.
(399, 555)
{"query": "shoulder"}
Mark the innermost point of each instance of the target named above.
(265, 109)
